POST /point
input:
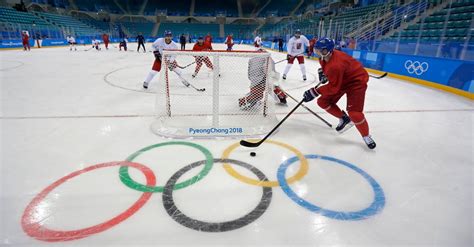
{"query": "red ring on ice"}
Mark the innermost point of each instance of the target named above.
(38, 231)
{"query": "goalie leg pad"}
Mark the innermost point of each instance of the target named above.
(252, 98)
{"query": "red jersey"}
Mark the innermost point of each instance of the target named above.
(343, 73)
(229, 40)
(208, 40)
(203, 47)
(105, 38)
(312, 42)
(25, 37)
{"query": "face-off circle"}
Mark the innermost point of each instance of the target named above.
(203, 226)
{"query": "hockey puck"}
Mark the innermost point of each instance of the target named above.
(253, 154)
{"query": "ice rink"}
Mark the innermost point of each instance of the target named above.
(69, 121)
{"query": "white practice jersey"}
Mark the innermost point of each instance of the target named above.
(297, 46)
(257, 41)
(160, 45)
(71, 40)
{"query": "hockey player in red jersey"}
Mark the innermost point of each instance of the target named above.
(208, 40)
(229, 41)
(312, 42)
(202, 46)
(25, 38)
(105, 38)
(344, 75)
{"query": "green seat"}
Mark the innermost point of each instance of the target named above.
(461, 32)
(450, 33)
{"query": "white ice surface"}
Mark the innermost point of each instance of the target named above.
(59, 115)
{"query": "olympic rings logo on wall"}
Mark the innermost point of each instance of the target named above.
(34, 227)
(416, 67)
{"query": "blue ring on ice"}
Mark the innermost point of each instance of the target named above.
(375, 207)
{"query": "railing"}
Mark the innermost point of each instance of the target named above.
(447, 34)
(402, 14)
(11, 31)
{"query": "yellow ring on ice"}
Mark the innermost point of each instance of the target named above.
(298, 176)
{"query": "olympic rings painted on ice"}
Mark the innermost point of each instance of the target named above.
(128, 181)
(34, 227)
(198, 225)
(376, 206)
(299, 175)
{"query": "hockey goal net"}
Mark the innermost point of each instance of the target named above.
(214, 94)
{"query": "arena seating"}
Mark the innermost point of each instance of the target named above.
(206, 8)
(98, 5)
(240, 31)
(139, 27)
(12, 22)
(281, 7)
(457, 25)
(174, 8)
(69, 23)
(194, 29)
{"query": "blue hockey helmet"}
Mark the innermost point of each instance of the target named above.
(324, 43)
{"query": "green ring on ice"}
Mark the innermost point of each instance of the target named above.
(129, 182)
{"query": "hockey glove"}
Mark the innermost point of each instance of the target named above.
(322, 77)
(310, 94)
(288, 57)
(157, 55)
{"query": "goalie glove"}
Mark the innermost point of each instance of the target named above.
(157, 55)
(322, 77)
(310, 94)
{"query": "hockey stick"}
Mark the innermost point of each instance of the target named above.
(256, 144)
(314, 113)
(287, 58)
(379, 77)
(183, 67)
(197, 89)
(188, 84)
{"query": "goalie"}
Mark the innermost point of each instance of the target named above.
(257, 74)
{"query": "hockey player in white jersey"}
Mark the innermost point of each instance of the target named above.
(258, 69)
(72, 42)
(296, 47)
(159, 46)
(257, 42)
(95, 44)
